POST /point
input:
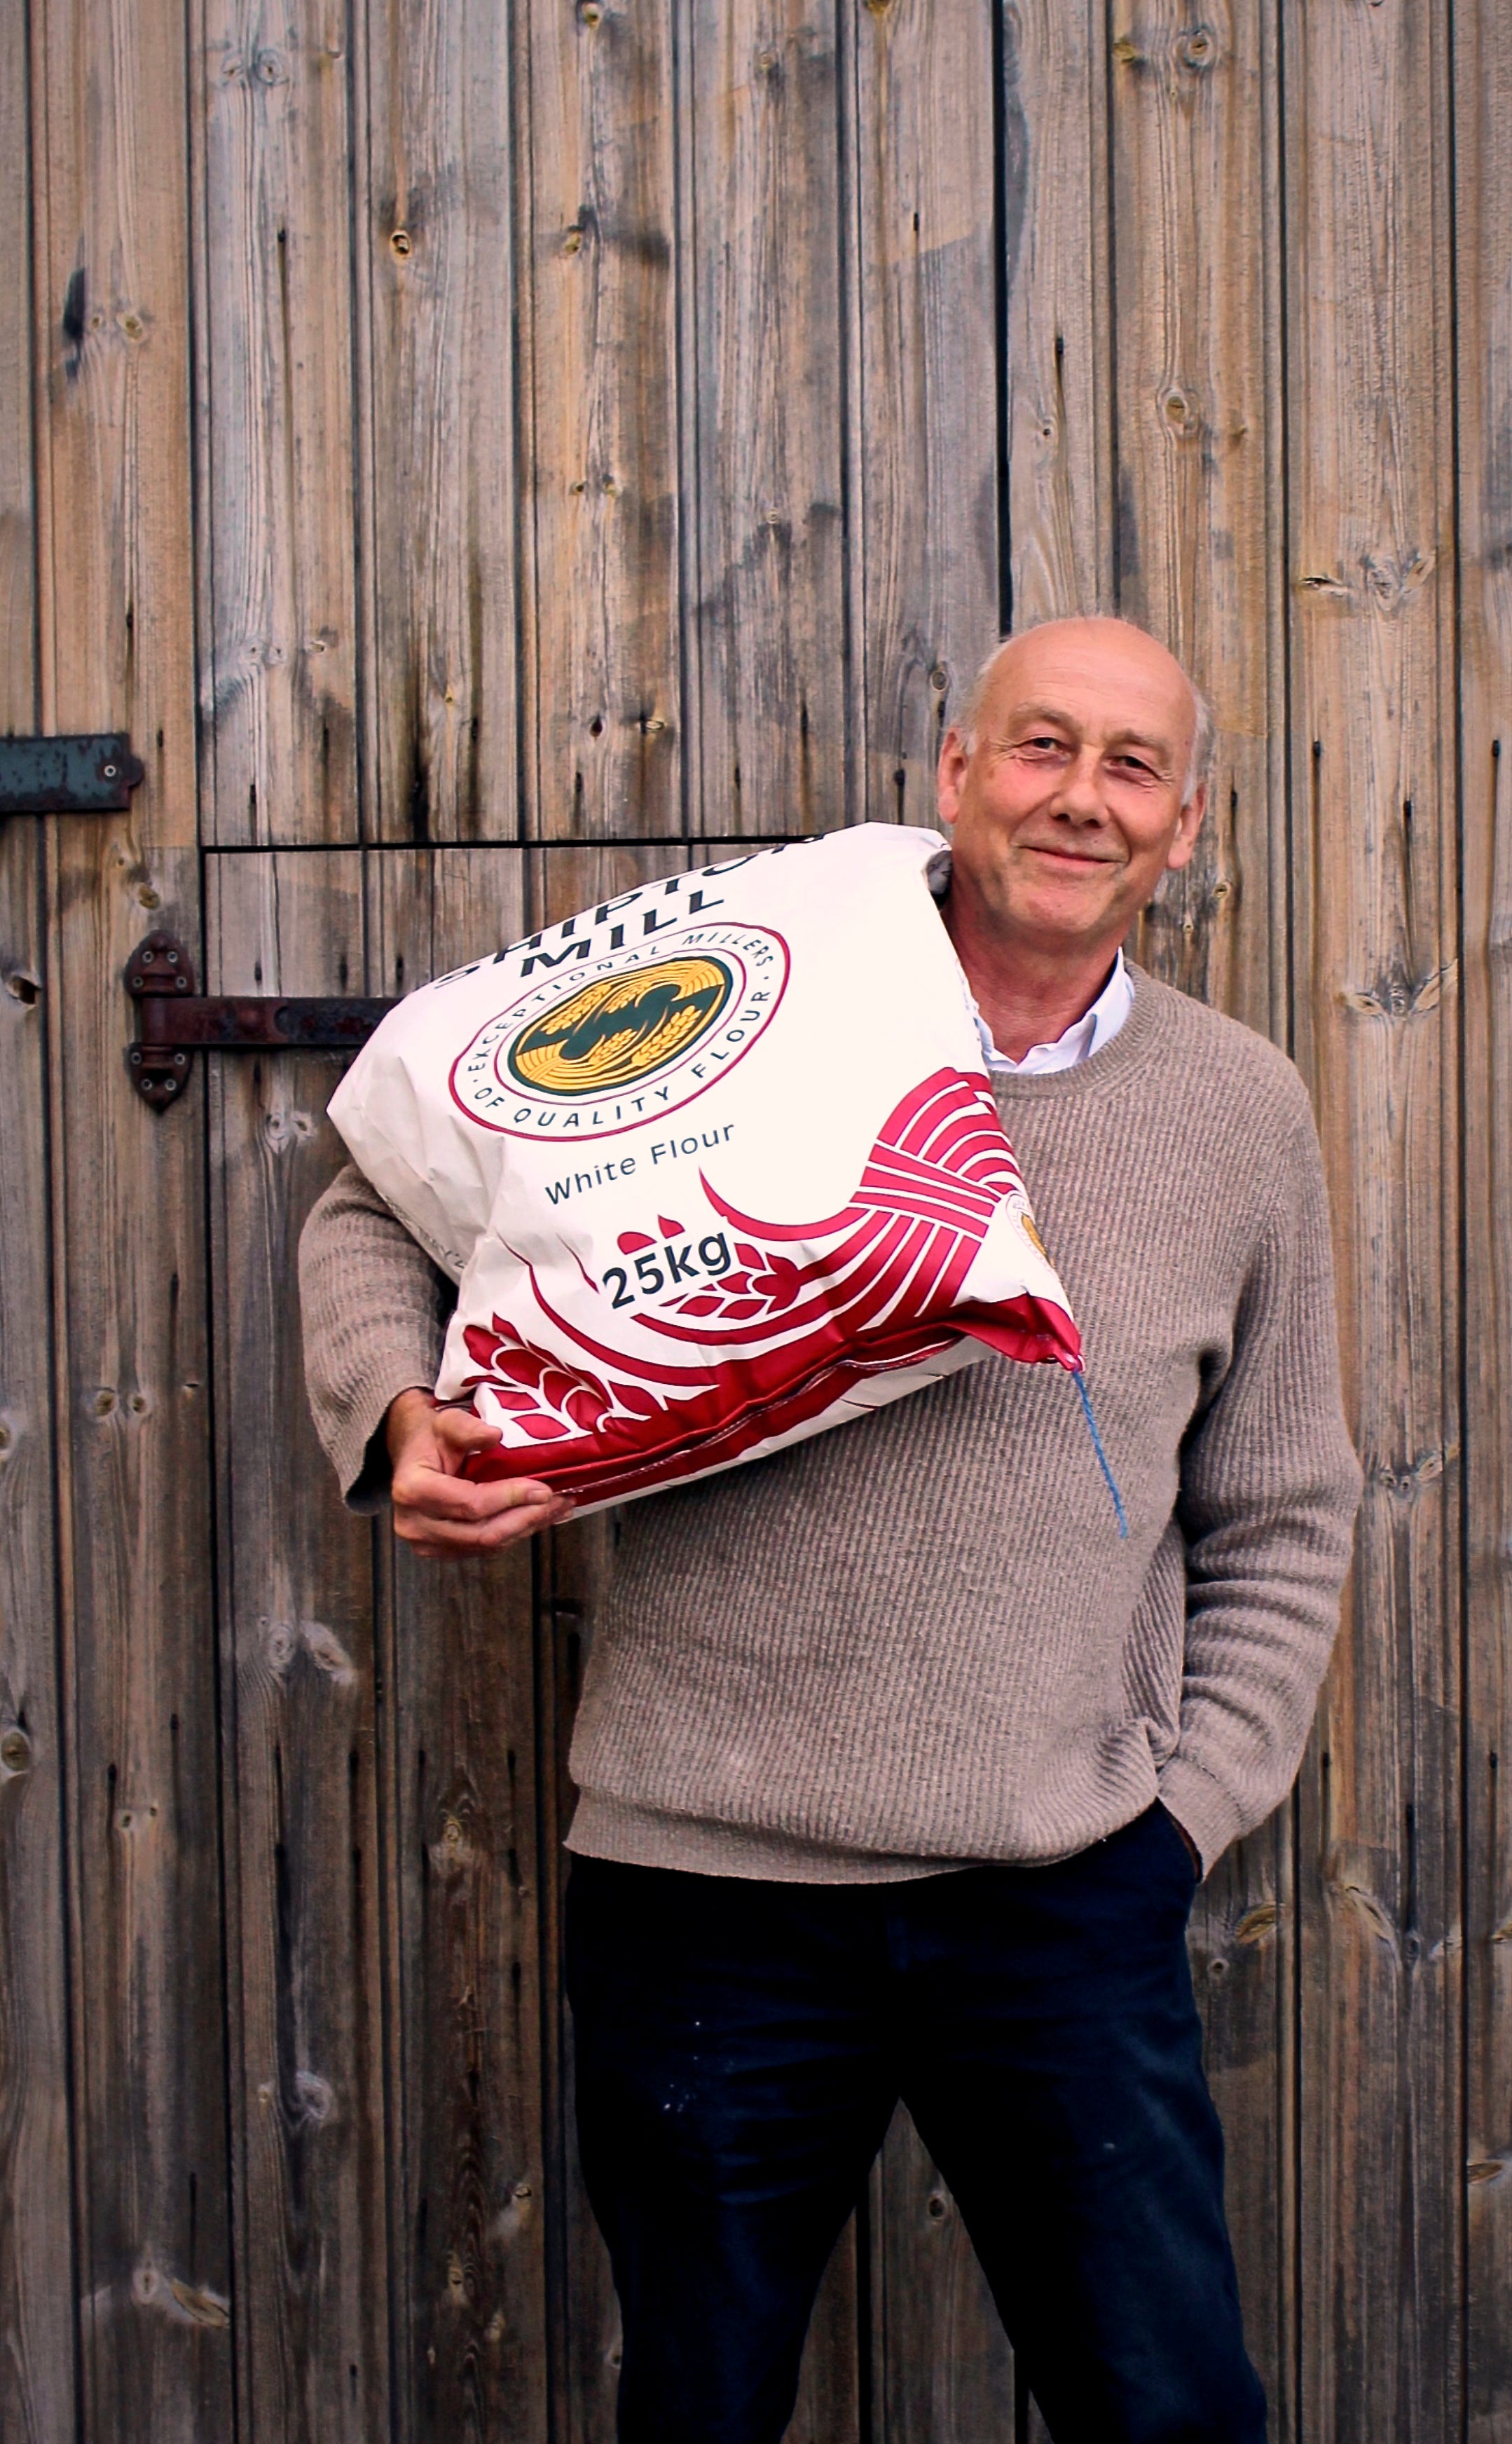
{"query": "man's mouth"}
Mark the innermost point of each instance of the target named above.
(1069, 856)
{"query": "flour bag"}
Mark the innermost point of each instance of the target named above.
(715, 1165)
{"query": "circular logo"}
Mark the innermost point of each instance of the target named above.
(620, 1030)
(591, 1047)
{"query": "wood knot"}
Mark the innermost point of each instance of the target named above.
(1198, 49)
(1180, 412)
(16, 1750)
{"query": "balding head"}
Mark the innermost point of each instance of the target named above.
(1140, 647)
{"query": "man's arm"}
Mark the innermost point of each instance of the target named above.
(376, 1311)
(1270, 1487)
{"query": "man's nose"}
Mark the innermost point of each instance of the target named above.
(1079, 797)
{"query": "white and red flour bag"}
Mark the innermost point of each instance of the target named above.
(715, 1165)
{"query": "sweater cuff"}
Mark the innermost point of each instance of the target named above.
(1200, 1807)
(355, 1440)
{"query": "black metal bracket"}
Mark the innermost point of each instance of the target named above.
(177, 1021)
(92, 775)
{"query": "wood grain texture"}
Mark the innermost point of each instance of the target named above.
(437, 270)
(1198, 417)
(115, 626)
(1483, 124)
(278, 656)
(828, 2409)
(943, 2368)
(1198, 420)
(585, 2332)
(1375, 1018)
(127, 1193)
(768, 241)
(608, 746)
(37, 2332)
(1055, 369)
(459, 1666)
(300, 1702)
(926, 505)
(37, 2329)
(115, 497)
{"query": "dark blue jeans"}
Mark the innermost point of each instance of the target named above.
(741, 2047)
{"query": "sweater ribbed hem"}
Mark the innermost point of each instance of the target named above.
(647, 1837)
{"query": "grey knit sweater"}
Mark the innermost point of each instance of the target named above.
(919, 1641)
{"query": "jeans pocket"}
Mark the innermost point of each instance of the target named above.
(1178, 1841)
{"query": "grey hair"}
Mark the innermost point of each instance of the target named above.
(1203, 727)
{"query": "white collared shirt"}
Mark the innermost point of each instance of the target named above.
(1082, 1038)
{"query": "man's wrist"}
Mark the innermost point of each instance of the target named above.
(415, 1401)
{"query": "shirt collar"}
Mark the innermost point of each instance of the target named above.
(1081, 1039)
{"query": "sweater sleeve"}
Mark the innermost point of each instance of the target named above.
(1270, 1487)
(374, 1312)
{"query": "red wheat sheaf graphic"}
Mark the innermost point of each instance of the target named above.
(780, 1341)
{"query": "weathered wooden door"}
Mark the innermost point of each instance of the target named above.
(486, 455)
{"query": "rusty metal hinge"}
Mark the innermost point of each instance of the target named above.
(177, 1021)
(92, 775)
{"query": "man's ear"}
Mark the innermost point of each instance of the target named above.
(950, 774)
(1189, 823)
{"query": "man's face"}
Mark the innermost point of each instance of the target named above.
(1069, 807)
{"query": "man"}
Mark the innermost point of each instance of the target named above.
(898, 1769)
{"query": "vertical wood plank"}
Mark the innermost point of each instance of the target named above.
(436, 258)
(115, 626)
(767, 246)
(1194, 173)
(1056, 368)
(127, 1195)
(37, 2332)
(459, 1662)
(924, 486)
(1196, 222)
(572, 1570)
(1373, 732)
(115, 496)
(828, 2408)
(1482, 123)
(300, 1704)
(37, 2329)
(276, 506)
(605, 410)
(943, 2369)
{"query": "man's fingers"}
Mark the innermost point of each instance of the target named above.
(444, 1539)
(437, 1496)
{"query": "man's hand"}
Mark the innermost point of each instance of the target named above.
(439, 1510)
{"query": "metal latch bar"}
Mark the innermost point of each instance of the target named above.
(177, 1021)
(85, 775)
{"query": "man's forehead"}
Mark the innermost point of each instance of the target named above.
(1101, 676)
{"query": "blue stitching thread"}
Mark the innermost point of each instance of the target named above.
(1079, 1381)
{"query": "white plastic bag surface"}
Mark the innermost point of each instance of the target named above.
(715, 1165)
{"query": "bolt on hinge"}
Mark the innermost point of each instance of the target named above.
(93, 774)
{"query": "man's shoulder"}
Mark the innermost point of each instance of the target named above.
(1211, 1058)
